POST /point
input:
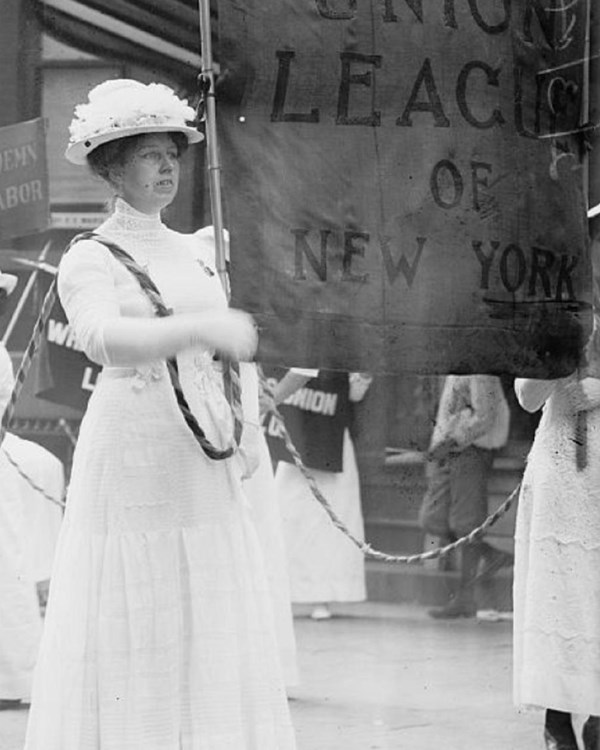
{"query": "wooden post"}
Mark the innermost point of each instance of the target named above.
(20, 60)
(20, 54)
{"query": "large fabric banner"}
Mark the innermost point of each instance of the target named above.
(404, 181)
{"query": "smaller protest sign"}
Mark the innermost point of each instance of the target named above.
(316, 417)
(65, 375)
(24, 207)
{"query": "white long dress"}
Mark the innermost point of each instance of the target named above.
(29, 527)
(324, 565)
(557, 565)
(266, 512)
(42, 516)
(159, 633)
(20, 620)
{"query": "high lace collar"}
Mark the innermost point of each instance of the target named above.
(131, 220)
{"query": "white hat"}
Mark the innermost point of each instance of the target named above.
(123, 107)
(8, 282)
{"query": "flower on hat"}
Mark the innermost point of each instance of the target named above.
(123, 104)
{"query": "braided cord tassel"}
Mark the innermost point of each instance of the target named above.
(230, 372)
(233, 392)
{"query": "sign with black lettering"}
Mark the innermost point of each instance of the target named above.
(24, 207)
(405, 181)
(316, 417)
(64, 375)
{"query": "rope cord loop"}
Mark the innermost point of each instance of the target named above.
(365, 548)
(231, 376)
(61, 503)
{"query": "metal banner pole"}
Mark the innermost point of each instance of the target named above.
(231, 375)
(212, 147)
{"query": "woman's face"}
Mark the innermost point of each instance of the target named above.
(149, 179)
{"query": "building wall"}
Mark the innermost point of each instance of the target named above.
(20, 52)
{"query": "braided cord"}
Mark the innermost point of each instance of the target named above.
(27, 360)
(231, 377)
(20, 378)
(365, 548)
(30, 482)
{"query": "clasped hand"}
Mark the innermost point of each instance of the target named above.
(233, 334)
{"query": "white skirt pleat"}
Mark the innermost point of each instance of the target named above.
(159, 631)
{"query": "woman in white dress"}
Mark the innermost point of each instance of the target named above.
(20, 619)
(324, 565)
(557, 560)
(259, 487)
(29, 527)
(159, 632)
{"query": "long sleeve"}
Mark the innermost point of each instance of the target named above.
(473, 422)
(472, 411)
(7, 378)
(532, 394)
(293, 380)
(88, 292)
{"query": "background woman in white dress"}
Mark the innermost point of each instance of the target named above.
(29, 525)
(260, 489)
(324, 565)
(557, 558)
(159, 631)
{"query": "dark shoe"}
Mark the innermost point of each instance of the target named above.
(456, 607)
(558, 731)
(591, 734)
(563, 744)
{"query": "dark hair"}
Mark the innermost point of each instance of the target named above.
(104, 158)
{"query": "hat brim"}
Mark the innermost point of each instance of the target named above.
(77, 152)
(8, 282)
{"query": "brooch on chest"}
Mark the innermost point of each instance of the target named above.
(207, 270)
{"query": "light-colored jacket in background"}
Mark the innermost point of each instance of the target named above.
(472, 411)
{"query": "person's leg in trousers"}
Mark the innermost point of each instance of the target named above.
(469, 471)
(435, 508)
(591, 733)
